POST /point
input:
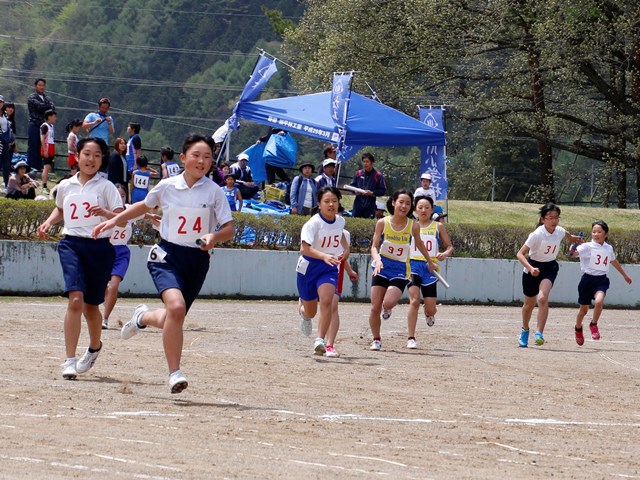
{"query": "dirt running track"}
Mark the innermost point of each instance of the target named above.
(467, 404)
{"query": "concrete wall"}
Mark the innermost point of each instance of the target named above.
(28, 268)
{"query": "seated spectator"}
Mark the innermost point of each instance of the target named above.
(20, 184)
(242, 173)
(303, 191)
(425, 189)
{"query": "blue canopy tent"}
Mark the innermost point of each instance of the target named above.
(369, 123)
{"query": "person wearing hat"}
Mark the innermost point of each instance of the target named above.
(303, 191)
(425, 189)
(244, 179)
(37, 104)
(20, 184)
(99, 124)
(328, 176)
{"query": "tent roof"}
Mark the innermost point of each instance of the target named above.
(368, 122)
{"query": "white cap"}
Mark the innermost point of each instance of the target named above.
(380, 206)
(243, 156)
(425, 176)
(329, 161)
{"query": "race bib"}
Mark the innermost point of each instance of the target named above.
(156, 255)
(186, 225)
(121, 236)
(599, 260)
(173, 170)
(302, 265)
(141, 181)
(548, 250)
(76, 211)
(394, 251)
(431, 244)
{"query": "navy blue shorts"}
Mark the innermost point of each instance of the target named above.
(317, 273)
(589, 285)
(86, 266)
(121, 263)
(531, 284)
(184, 268)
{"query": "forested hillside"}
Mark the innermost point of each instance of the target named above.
(174, 65)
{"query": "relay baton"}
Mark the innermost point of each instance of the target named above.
(441, 279)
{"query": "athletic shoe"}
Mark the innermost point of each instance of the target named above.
(177, 381)
(524, 338)
(386, 314)
(595, 333)
(431, 320)
(131, 327)
(331, 352)
(69, 371)
(105, 324)
(306, 326)
(411, 343)
(319, 348)
(539, 338)
(87, 360)
(376, 345)
(45, 191)
(579, 336)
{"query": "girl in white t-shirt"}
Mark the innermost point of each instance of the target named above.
(541, 268)
(595, 258)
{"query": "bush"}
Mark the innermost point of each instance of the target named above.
(19, 219)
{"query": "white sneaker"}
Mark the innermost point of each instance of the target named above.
(386, 314)
(177, 381)
(376, 345)
(131, 327)
(319, 348)
(331, 352)
(105, 323)
(306, 326)
(411, 343)
(431, 320)
(87, 360)
(69, 371)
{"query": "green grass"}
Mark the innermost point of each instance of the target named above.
(526, 215)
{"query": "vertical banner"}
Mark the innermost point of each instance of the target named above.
(340, 96)
(265, 67)
(433, 158)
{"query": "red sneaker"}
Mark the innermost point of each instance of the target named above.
(579, 336)
(595, 333)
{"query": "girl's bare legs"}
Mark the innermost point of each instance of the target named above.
(334, 326)
(94, 325)
(72, 322)
(111, 296)
(543, 303)
(377, 295)
(326, 292)
(598, 304)
(414, 307)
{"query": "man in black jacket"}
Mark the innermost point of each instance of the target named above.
(37, 103)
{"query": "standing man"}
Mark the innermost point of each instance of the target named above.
(134, 145)
(372, 182)
(99, 124)
(37, 103)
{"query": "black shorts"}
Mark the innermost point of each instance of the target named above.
(380, 281)
(428, 291)
(531, 284)
(589, 285)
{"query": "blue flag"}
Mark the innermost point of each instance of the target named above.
(340, 93)
(262, 72)
(433, 158)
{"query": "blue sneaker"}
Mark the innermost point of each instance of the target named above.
(524, 338)
(539, 338)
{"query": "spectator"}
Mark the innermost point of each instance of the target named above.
(7, 139)
(168, 166)
(242, 173)
(48, 148)
(37, 103)
(329, 152)
(72, 129)
(303, 191)
(372, 182)
(425, 189)
(134, 145)
(117, 172)
(380, 209)
(141, 179)
(328, 177)
(99, 124)
(20, 184)
(232, 193)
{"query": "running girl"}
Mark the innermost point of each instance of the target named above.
(83, 201)
(323, 246)
(390, 249)
(193, 207)
(541, 268)
(595, 258)
(432, 233)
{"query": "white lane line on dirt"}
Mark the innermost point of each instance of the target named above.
(620, 364)
(337, 467)
(146, 413)
(351, 416)
(531, 452)
(552, 421)
(133, 462)
(369, 458)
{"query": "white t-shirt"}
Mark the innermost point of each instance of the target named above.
(544, 246)
(75, 199)
(595, 259)
(425, 192)
(324, 236)
(188, 213)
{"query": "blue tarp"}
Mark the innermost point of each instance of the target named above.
(369, 123)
